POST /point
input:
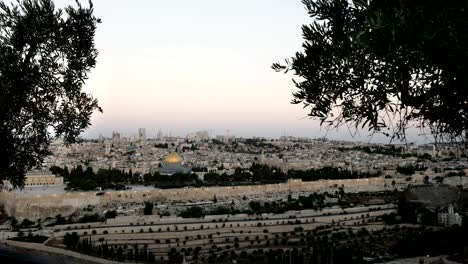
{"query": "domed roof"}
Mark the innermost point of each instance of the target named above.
(173, 158)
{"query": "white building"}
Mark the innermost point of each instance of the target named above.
(449, 218)
(225, 138)
(108, 148)
(198, 136)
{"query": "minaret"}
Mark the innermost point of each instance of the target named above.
(450, 209)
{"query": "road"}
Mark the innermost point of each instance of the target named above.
(10, 256)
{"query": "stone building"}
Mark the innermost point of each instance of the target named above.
(449, 218)
(39, 179)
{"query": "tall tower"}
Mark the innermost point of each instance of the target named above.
(115, 137)
(108, 148)
(142, 134)
(227, 138)
(159, 136)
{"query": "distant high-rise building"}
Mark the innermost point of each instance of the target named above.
(142, 133)
(108, 148)
(100, 139)
(160, 134)
(198, 136)
(225, 138)
(115, 137)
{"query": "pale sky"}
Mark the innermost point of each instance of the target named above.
(188, 65)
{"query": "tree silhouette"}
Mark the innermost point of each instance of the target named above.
(45, 57)
(385, 65)
(148, 209)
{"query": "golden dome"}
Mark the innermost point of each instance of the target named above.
(173, 158)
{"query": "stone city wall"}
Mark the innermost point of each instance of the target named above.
(207, 193)
(41, 206)
(8, 200)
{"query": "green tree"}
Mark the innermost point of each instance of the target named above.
(426, 179)
(14, 223)
(175, 257)
(193, 212)
(255, 206)
(148, 210)
(57, 170)
(110, 214)
(45, 57)
(385, 65)
(71, 240)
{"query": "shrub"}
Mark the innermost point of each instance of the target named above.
(110, 214)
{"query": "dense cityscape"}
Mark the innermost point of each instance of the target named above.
(220, 199)
(346, 132)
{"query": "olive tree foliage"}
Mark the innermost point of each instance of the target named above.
(385, 65)
(45, 57)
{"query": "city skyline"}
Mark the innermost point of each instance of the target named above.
(332, 134)
(199, 156)
(189, 66)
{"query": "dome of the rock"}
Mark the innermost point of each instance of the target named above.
(172, 164)
(173, 158)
